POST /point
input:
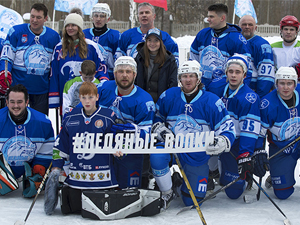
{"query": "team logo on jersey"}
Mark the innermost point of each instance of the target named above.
(37, 60)
(243, 39)
(264, 104)
(24, 38)
(150, 106)
(212, 62)
(251, 97)
(84, 175)
(18, 150)
(220, 105)
(290, 128)
(71, 69)
(98, 123)
(134, 178)
(87, 120)
(92, 176)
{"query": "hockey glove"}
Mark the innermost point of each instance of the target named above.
(245, 166)
(51, 192)
(31, 182)
(4, 85)
(261, 162)
(221, 144)
(161, 130)
(125, 128)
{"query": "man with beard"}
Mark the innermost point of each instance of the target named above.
(135, 108)
(287, 51)
(26, 140)
(189, 109)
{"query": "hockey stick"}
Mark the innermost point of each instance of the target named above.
(187, 183)
(286, 221)
(5, 73)
(210, 196)
(34, 200)
(250, 198)
(57, 120)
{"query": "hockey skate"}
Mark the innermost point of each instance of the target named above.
(268, 182)
(167, 197)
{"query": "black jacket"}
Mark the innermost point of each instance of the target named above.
(160, 79)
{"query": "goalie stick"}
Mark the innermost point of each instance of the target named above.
(34, 200)
(250, 198)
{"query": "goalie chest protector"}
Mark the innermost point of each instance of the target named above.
(120, 204)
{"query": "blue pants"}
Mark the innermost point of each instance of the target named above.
(282, 169)
(196, 175)
(229, 172)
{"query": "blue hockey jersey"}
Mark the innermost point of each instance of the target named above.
(108, 41)
(243, 107)
(66, 69)
(86, 171)
(137, 107)
(30, 142)
(281, 121)
(29, 57)
(212, 52)
(262, 64)
(206, 112)
(132, 37)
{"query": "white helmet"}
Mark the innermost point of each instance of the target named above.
(286, 73)
(238, 59)
(189, 67)
(125, 60)
(101, 8)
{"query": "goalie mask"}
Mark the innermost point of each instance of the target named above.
(286, 73)
(189, 67)
(101, 8)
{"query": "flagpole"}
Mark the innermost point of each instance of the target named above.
(233, 16)
(53, 18)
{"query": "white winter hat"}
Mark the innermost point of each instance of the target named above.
(74, 18)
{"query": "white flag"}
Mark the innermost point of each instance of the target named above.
(8, 18)
(66, 5)
(244, 7)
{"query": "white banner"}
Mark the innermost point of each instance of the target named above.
(66, 5)
(129, 144)
(8, 18)
(244, 7)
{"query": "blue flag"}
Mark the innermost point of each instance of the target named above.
(244, 7)
(66, 5)
(8, 18)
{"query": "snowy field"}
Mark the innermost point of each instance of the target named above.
(218, 211)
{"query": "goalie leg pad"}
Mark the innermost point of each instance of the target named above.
(8, 182)
(120, 204)
(70, 200)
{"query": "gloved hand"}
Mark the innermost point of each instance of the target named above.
(161, 130)
(5, 85)
(245, 166)
(261, 162)
(51, 192)
(221, 144)
(125, 128)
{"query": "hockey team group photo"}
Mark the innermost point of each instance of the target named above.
(136, 126)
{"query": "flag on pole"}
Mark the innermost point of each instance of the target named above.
(158, 3)
(244, 7)
(66, 5)
(8, 18)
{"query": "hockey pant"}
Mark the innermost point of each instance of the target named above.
(128, 170)
(229, 172)
(282, 168)
(196, 175)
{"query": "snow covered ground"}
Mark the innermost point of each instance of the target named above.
(218, 211)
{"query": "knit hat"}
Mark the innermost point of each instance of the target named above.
(154, 31)
(74, 18)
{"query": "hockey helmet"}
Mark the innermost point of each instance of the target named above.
(125, 60)
(286, 73)
(101, 8)
(289, 21)
(238, 59)
(190, 67)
